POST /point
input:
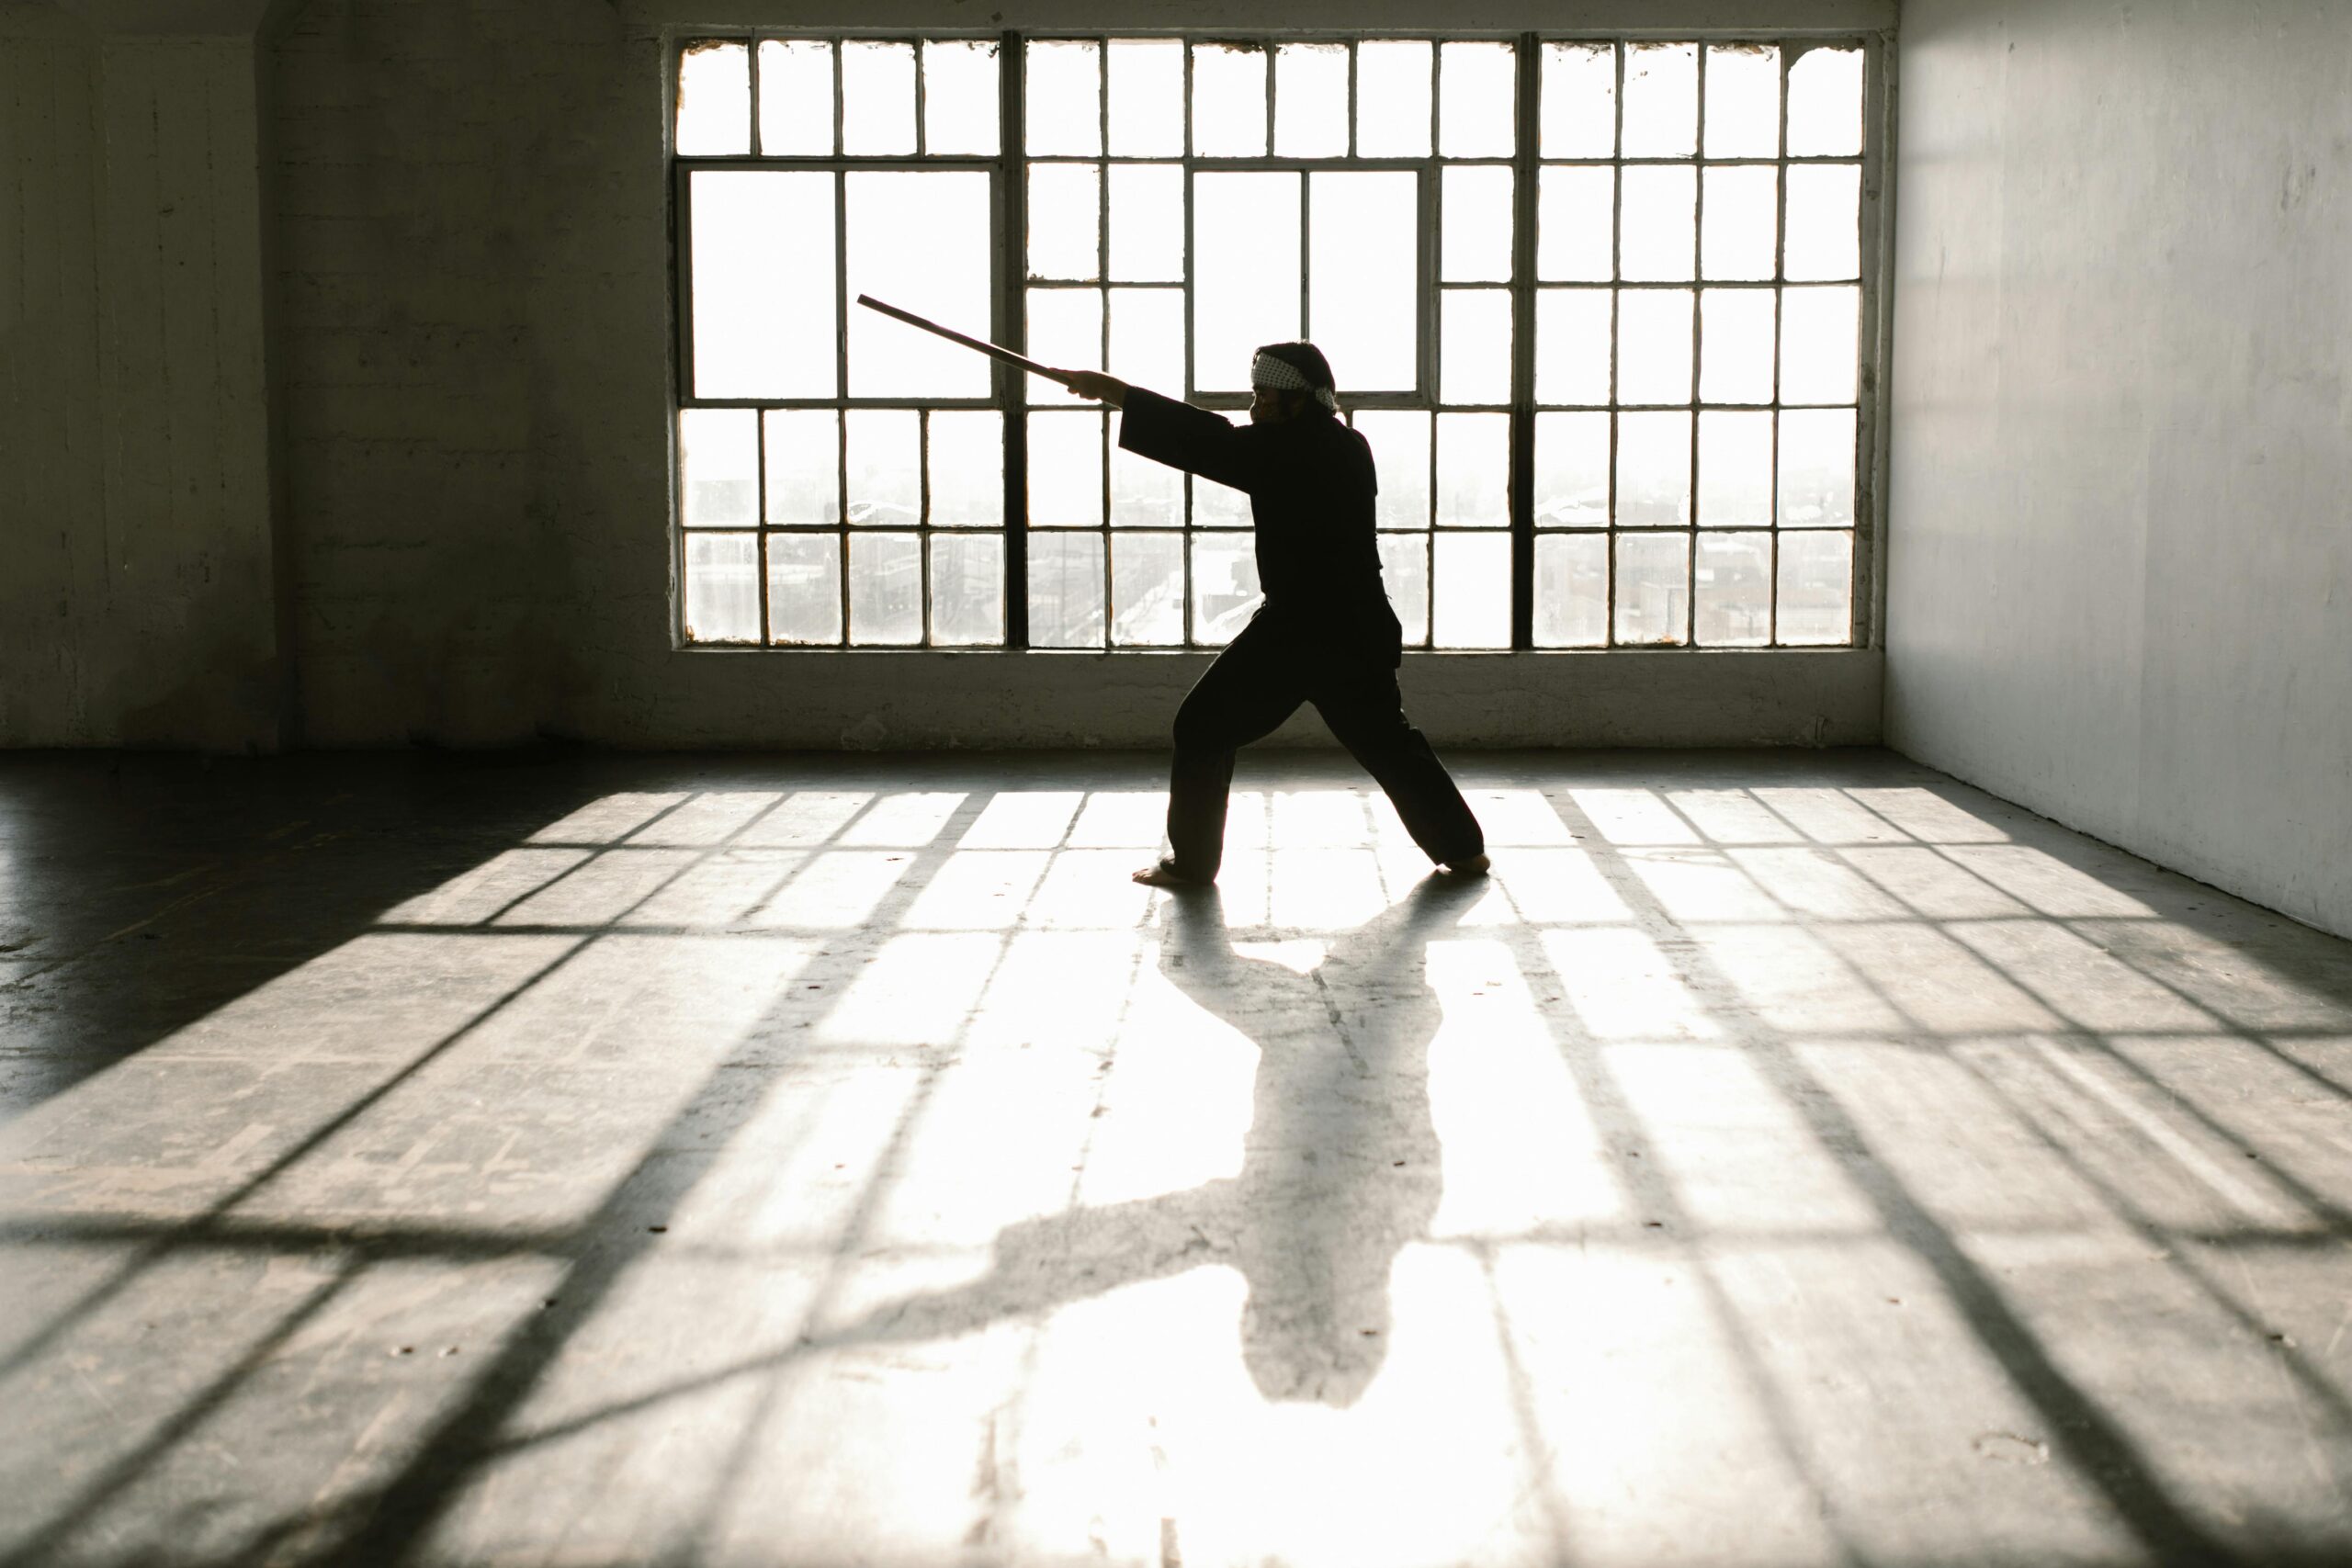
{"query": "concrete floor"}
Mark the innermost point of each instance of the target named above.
(1785, 1159)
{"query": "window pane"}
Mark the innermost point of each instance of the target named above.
(1066, 470)
(959, 107)
(1311, 100)
(1147, 97)
(1471, 606)
(1572, 345)
(1065, 220)
(1224, 586)
(722, 588)
(1404, 572)
(966, 589)
(1824, 221)
(966, 468)
(1477, 86)
(805, 588)
(1816, 588)
(1474, 345)
(1658, 228)
(918, 239)
(1743, 100)
(1364, 277)
(878, 97)
(1572, 591)
(885, 469)
(1063, 98)
(1147, 222)
(1476, 225)
(1661, 100)
(1065, 332)
(1825, 103)
(1393, 98)
(719, 459)
(796, 98)
(1399, 439)
(1735, 595)
(1145, 494)
(1228, 101)
(1579, 100)
(1148, 338)
(1575, 225)
(714, 100)
(1571, 469)
(1742, 222)
(1653, 470)
(1474, 471)
(1735, 470)
(1653, 352)
(1818, 344)
(1146, 590)
(763, 283)
(1245, 230)
(885, 589)
(804, 458)
(1735, 347)
(1065, 590)
(1653, 588)
(1817, 457)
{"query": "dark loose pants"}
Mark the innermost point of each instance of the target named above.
(1258, 681)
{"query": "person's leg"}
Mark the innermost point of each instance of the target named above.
(1367, 714)
(1251, 688)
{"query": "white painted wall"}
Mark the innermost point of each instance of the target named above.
(136, 603)
(2120, 555)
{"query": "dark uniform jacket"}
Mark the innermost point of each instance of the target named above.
(1310, 485)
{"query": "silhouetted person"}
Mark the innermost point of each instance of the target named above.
(1325, 634)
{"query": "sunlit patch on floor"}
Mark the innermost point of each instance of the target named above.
(819, 1168)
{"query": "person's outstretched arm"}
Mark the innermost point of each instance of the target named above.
(1169, 432)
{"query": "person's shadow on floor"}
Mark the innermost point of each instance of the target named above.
(1340, 1168)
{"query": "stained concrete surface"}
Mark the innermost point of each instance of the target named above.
(1784, 1159)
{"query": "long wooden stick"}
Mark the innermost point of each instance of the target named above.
(951, 335)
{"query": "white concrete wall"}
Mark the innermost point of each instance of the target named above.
(135, 579)
(2120, 573)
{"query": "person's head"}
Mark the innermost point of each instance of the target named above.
(1289, 380)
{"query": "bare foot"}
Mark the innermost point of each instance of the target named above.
(1163, 873)
(1469, 865)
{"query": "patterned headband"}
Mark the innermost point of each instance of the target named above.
(1274, 374)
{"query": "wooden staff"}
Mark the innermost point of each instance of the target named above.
(951, 335)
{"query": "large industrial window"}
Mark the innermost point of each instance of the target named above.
(1600, 306)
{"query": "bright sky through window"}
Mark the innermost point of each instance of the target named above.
(1600, 309)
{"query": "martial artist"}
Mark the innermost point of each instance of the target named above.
(1325, 634)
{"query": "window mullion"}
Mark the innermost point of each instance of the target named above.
(840, 350)
(1012, 180)
(1616, 270)
(1779, 301)
(1523, 367)
(1697, 345)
